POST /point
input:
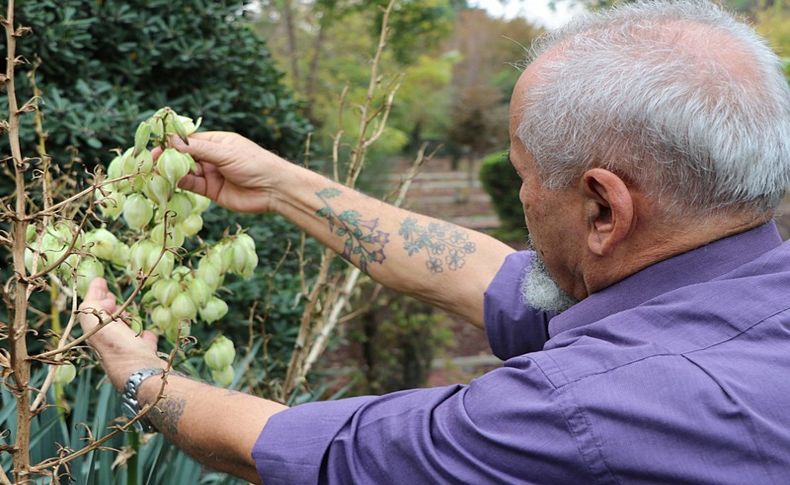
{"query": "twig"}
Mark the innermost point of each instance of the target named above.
(319, 344)
(61, 343)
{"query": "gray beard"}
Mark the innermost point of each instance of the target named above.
(541, 292)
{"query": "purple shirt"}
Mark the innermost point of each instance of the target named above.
(679, 373)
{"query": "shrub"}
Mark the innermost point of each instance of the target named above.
(502, 183)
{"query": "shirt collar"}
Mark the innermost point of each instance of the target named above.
(701, 264)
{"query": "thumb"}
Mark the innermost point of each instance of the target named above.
(150, 338)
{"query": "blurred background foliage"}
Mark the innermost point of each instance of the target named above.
(273, 70)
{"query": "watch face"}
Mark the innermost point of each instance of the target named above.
(128, 409)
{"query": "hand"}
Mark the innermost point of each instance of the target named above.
(120, 350)
(231, 170)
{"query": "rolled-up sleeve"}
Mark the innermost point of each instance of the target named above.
(512, 326)
(505, 427)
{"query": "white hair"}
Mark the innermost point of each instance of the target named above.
(677, 97)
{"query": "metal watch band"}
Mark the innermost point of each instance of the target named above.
(129, 402)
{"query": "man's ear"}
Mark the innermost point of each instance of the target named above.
(608, 209)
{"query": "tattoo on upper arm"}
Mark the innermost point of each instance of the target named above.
(363, 239)
(445, 245)
(166, 414)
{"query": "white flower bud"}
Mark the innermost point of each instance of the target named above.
(199, 203)
(182, 327)
(183, 308)
(102, 243)
(141, 137)
(65, 373)
(88, 269)
(161, 317)
(165, 291)
(209, 273)
(175, 237)
(191, 225)
(120, 257)
(181, 206)
(172, 165)
(137, 211)
(199, 291)
(220, 354)
(158, 189)
(223, 377)
(112, 205)
(214, 310)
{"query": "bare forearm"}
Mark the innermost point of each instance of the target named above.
(216, 426)
(433, 260)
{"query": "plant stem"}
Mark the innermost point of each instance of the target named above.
(18, 329)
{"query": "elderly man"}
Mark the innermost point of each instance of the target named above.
(647, 337)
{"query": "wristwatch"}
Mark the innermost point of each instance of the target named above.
(129, 402)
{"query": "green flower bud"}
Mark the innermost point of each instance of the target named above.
(88, 269)
(112, 205)
(128, 163)
(65, 373)
(244, 259)
(143, 255)
(175, 237)
(214, 310)
(158, 189)
(199, 291)
(221, 353)
(199, 203)
(137, 211)
(181, 272)
(172, 165)
(162, 318)
(172, 332)
(115, 168)
(30, 233)
(163, 269)
(244, 240)
(191, 225)
(141, 137)
(250, 264)
(183, 308)
(176, 126)
(180, 205)
(209, 274)
(120, 257)
(102, 243)
(223, 377)
(165, 290)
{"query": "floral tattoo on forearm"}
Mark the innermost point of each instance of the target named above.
(363, 240)
(445, 244)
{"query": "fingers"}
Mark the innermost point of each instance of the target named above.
(206, 151)
(193, 183)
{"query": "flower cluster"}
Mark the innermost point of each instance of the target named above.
(144, 193)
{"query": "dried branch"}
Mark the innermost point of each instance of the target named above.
(18, 328)
(328, 326)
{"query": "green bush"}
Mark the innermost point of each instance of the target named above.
(502, 183)
(106, 65)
